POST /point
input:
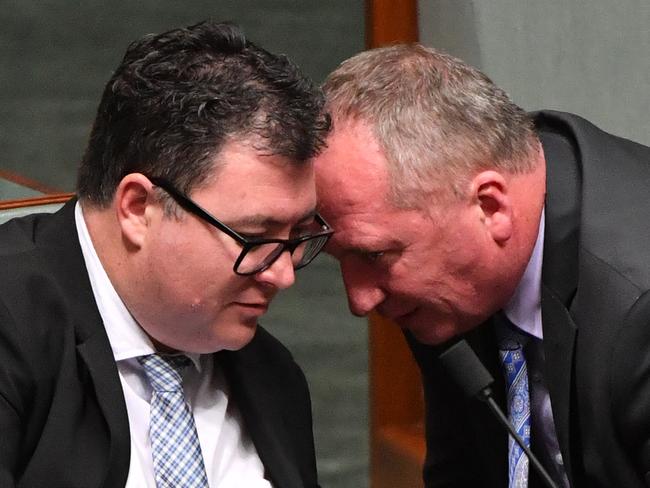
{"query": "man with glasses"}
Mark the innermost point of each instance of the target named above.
(130, 353)
(458, 215)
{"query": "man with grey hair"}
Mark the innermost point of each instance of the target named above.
(458, 215)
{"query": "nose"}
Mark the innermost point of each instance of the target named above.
(363, 293)
(280, 274)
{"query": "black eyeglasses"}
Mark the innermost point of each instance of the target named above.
(257, 254)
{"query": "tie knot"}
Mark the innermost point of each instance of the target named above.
(508, 344)
(164, 372)
(513, 362)
(509, 336)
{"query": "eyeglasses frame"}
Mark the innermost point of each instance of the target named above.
(247, 243)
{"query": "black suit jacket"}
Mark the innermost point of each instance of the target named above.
(596, 322)
(63, 419)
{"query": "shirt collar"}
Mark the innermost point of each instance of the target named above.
(524, 309)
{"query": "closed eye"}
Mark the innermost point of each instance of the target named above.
(303, 231)
(252, 236)
(370, 257)
(295, 233)
(374, 255)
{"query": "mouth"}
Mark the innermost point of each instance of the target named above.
(396, 313)
(403, 319)
(260, 307)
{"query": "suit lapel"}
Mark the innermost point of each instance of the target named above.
(95, 352)
(559, 345)
(64, 257)
(249, 381)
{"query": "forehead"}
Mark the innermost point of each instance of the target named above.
(248, 180)
(351, 173)
(353, 184)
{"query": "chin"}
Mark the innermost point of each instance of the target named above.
(240, 336)
(432, 331)
(432, 336)
(230, 338)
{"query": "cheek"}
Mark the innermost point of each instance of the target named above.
(411, 270)
(198, 296)
(354, 270)
(212, 282)
(407, 284)
(189, 274)
(421, 279)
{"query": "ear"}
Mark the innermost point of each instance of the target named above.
(490, 192)
(133, 201)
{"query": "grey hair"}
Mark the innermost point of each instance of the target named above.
(438, 120)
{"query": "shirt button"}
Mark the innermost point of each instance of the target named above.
(558, 459)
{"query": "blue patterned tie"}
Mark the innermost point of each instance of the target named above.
(177, 459)
(516, 376)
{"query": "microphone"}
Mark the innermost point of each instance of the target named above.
(468, 372)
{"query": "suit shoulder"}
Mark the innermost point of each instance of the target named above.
(588, 135)
(613, 175)
(18, 235)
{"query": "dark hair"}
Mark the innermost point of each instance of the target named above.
(177, 97)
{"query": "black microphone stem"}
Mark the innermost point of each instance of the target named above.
(467, 370)
(486, 396)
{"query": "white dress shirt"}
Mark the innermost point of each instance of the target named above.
(525, 311)
(230, 458)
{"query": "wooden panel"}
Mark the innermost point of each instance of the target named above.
(390, 21)
(396, 392)
(27, 182)
(32, 202)
(399, 455)
(397, 445)
(50, 195)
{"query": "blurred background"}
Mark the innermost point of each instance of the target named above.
(57, 55)
(590, 57)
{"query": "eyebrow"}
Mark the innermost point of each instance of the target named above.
(268, 221)
(367, 245)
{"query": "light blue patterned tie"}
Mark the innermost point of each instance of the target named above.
(177, 459)
(516, 376)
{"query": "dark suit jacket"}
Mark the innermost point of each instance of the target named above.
(63, 420)
(596, 322)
